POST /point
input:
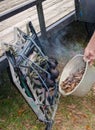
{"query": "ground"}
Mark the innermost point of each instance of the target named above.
(74, 113)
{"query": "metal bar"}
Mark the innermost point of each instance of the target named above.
(76, 9)
(17, 9)
(41, 20)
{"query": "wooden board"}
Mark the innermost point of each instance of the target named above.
(53, 11)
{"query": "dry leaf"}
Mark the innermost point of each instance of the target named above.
(72, 106)
(81, 114)
(21, 111)
(72, 81)
(88, 127)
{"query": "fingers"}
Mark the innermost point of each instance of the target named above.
(91, 63)
(92, 60)
(86, 55)
(89, 56)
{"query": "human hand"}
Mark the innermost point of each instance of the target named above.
(89, 53)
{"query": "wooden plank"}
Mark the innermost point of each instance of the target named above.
(10, 4)
(53, 10)
(32, 13)
(55, 16)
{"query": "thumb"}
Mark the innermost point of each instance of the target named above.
(86, 55)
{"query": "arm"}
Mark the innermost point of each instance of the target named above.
(89, 53)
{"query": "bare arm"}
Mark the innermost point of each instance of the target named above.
(89, 53)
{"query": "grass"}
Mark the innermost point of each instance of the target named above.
(77, 113)
(14, 112)
(73, 112)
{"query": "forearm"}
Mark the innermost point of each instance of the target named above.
(92, 40)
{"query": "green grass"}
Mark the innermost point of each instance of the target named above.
(73, 112)
(14, 112)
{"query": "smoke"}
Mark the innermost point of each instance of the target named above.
(65, 43)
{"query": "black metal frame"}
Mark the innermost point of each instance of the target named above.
(76, 7)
